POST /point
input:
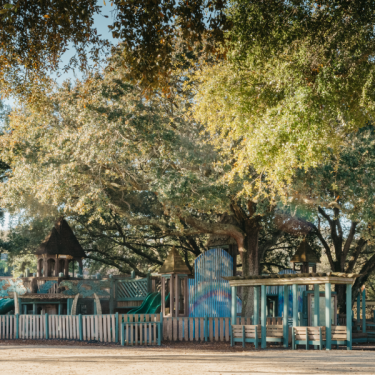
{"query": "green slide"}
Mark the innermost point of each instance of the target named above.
(145, 304)
(6, 305)
(151, 305)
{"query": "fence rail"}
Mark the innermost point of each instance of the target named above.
(108, 328)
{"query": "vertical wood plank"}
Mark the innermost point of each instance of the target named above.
(180, 328)
(191, 328)
(84, 327)
(186, 329)
(221, 329)
(196, 322)
(113, 327)
(226, 329)
(216, 329)
(175, 330)
(211, 329)
(202, 329)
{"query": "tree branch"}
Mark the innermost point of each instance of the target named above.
(348, 243)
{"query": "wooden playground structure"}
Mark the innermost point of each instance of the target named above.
(177, 306)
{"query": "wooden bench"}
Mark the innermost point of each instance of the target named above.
(308, 336)
(338, 335)
(245, 333)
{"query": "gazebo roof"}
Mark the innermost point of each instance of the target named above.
(61, 241)
(174, 264)
(305, 254)
(293, 278)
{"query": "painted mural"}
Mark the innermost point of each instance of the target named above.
(86, 288)
(9, 286)
(209, 294)
(46, 286)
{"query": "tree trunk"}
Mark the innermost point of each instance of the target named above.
(250, 264)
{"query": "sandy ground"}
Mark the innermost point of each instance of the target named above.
(60, 360)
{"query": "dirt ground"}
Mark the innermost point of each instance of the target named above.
(182, 359)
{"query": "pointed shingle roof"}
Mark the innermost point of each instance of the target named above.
(174, 264)
(61, 241)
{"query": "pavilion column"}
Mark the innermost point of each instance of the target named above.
(177, 296)
(172, 293)
(38, 268)
(56, 266)
(328, 315)
(234, 305)
(349, 316)
(316, 305)
(263, 310)
(66, 267)
(45, 267)
(285, 316)
(358, 309)
(256, 305)
(364, 310)
(80, 267)
(295, 304)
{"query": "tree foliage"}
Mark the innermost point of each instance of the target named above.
(298, 77)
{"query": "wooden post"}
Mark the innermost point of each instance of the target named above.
(69, 306)
(116, 328)
(234, 305)
(263, 308)
(177, 295)
(111, 295)
(161, 324)
(285, 316)
(349, 339)
(60, 308)
(295, 305)
(358, 309)
(80, 327)
(328, 315)
(171, 295)
(46, 326)
(34, 308)
(364, 310)
(316, 305)
(95, 310)
(256, 305)
(17, 326)
(186, 296)
(162, 295)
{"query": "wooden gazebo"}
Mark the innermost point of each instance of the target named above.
(294, 280)
(58, 249)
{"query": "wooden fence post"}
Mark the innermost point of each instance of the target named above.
(17, 325)
(161, 323)
(116, 328)
(80, 327)
(46, 324)
(122, 334)
(206, 328)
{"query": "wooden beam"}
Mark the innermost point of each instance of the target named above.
(291, 281)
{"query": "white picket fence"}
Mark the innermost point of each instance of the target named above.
(70, 327)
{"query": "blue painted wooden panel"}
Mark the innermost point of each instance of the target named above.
(209, 294)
